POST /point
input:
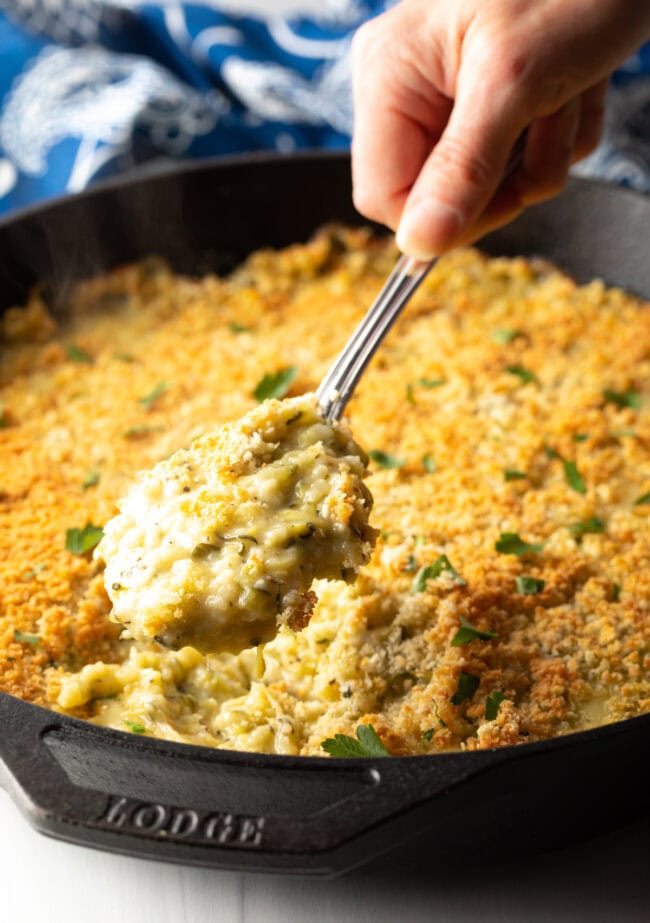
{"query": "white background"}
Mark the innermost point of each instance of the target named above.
(606, 880)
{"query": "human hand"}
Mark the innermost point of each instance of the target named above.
(444, 88)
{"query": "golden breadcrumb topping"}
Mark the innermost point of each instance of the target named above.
(508, 422)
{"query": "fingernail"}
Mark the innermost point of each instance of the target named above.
(427, 227)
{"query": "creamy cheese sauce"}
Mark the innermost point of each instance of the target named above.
(220, 543)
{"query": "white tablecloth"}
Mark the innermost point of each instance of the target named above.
(606, 880)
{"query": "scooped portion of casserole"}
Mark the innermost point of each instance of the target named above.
(218, 545)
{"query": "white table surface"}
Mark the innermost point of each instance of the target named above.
(606, 880)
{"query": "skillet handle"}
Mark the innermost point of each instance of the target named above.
(150, 798)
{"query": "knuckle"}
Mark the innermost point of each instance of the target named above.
(455, 161)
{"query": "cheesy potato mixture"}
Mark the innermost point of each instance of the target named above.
(219, 543)
(507, 421)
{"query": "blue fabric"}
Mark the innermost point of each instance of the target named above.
(90, 88)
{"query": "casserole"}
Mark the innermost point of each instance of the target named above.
(246, 810)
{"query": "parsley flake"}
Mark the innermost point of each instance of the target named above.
(441, 565)
(411, 565)
(573, 477)
(141, 429)
(91, 479)
(36, 569)
(504, 335)
(511, 474)
(528, 586)
(409, 394)
(467, 686)
(3, 419)
(492, 702)
(523, 374)
(468, 632)
(135, 727)
(22, 638)
(429, 463)
(623, 398)
(368, 743)
(77, 354)
(428, 734)
(644, 498)
(238, 328)
(385, 459)
(580, 437)
(275, 384)
(150, 399)
(594, 524)
(511, 543)
(431, 382)
(616, 592)
(79, 541)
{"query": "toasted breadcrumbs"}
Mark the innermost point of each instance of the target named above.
(508, 400)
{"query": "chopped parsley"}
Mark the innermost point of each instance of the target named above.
(238, 328)
(432, 382)
(79, 541)
(428, 734)
(441, 565)
(528, 586)
(523, 374)
(135, 727)
(580, 437)
(468, 632)
(435, 708)
(429, 463)
(644, 498)
(593, 524)
(573, 477)
(91, 479)
(3, 420)
(385, 459)
(492, 702)
(511, 474)
(622, 398)
(409, 394)
(36, 569)
(150, 399)
(367, 743)
(616, 592)
(22, 638)
(275, 384)
(141, 429)
(467, 686)
(411, 565)
(504, 335)
(77, 354)
(511, 543)
(571, 474)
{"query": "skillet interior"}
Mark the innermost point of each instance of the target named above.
(242, 810)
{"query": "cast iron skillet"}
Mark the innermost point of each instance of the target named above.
(313, 816)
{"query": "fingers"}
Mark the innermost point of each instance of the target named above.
(462, 173)
(548, 155)
(592, 118)
(397, 122)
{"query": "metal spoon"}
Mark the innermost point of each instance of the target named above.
(336, 388)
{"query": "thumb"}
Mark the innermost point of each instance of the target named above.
(463, 171)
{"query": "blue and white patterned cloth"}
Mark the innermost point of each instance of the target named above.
(91, 88)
